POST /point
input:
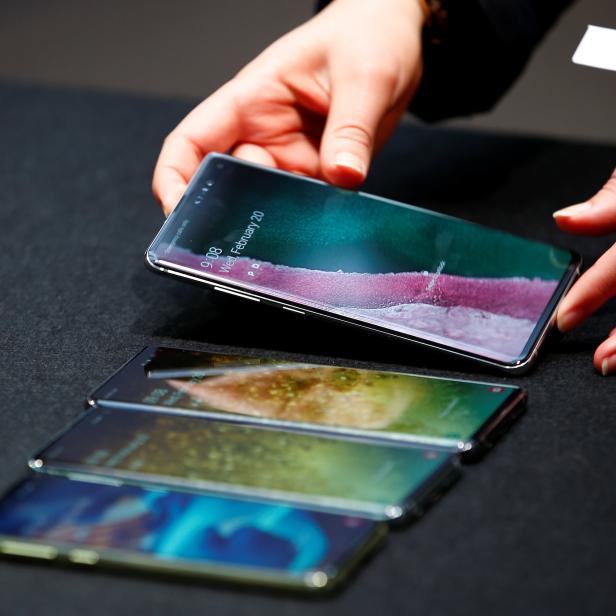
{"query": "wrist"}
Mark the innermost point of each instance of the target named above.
(417, 11)
(425, 9)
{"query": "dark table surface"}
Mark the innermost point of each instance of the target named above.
(528, 530)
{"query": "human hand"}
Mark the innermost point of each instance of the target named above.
(597, 216)
(317, 102)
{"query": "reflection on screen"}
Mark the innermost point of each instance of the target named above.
(394, 266)
(441, 411)
(339, 473)
(178, 526)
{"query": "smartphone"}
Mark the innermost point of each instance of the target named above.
(326, 473)
(59, 519)
(309, 248)
(461, 416)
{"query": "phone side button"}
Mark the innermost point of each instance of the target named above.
(83, 557)
(293, 310)
(30, 550)
(236, 293)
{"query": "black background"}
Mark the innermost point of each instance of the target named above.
(530, 529)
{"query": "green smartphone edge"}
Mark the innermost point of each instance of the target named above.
(435, 483)
(412, 507)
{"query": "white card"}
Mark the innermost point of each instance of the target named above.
(597, 48)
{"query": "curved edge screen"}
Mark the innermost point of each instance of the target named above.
(387, 265)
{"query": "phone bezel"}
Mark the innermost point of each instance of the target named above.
(518, 366)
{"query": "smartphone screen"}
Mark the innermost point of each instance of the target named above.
(333, 474)
(180, 531)
(378, 263)
(447, 413)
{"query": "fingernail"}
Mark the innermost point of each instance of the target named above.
(568, 320)
(608, 365)
(350, 161)
(573, 210)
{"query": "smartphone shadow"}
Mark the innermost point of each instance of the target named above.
(183, 313)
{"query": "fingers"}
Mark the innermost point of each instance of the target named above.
(360, 100)
(605, 355)
(213, 126)
(596, 216)
(297, 153)
(178, 159)
(590, 292)
(254, 154)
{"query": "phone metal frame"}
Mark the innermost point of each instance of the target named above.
(483, 439)
(520, 366)
(325, 578)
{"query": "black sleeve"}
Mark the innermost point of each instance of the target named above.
(482, 48)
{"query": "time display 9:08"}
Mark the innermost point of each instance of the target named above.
(212, 254)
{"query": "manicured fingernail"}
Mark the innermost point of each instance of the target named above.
(350, 161)
(572, 210)
(568, 320)
(608, 365)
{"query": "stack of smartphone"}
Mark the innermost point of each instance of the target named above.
(247, 469)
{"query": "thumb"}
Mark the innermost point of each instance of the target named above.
(359, 103)
(596, 216)
(595, 287)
